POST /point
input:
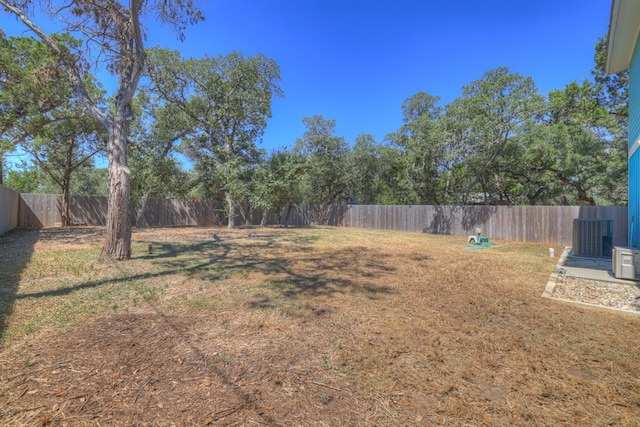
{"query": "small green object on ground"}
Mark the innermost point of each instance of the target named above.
(481, 245)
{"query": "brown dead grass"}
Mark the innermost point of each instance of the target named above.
(303, 327)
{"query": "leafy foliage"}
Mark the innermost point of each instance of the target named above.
(113, 36)
(226, 102)
(499, 142)
(277, 184)
(325, 164)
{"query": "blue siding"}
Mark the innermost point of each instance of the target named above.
(634, 96)
(634, 161)
(634, 200)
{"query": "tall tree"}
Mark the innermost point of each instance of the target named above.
(492, 112)
(228, 102)
(27, 67)
(524, 163)
(155, 135)
(577, 154)
(113, 29)
(53, 127)
(369, 168)
(612, 89)
(587, 160)
(276, 185)
(325, 177)
(62, 148)
(424, 150)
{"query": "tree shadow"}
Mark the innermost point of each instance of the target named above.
(172, 212)
(441, 221)
(476, 216)
(305, 215)
(16, 249)
(303, 275)
(201, 353)
(298, 272)
(88, 210)
(445, 218)
(27, 217)
(339, 273)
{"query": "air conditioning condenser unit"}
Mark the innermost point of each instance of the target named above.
(625, 263)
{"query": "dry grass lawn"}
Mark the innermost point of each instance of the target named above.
(319, 326)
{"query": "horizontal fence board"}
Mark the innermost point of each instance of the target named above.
(537, 224)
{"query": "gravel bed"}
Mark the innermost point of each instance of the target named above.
(605, 294)
(616, 295)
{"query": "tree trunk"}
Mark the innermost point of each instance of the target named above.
(117, 244)
(263, 221)
(248, 215)
(231, 210)
(287, 215)
(64, 212)
(245, 212)
(129, 40)
(230, 205)
(66, 182)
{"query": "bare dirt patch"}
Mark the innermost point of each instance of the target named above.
(303, 327)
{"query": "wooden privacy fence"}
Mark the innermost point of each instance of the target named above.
(537, 224)
(9, 200)
(43, 210)
(173, 212)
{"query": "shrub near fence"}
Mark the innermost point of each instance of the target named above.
(537, 224)
(9, 200)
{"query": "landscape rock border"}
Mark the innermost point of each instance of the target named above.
(616, 295)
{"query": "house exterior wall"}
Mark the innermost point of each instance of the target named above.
(634, 148)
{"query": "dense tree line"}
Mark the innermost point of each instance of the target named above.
(499, 142)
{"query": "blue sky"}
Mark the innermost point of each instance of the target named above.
(356, 61)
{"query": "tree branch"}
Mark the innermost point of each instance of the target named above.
(68, 61)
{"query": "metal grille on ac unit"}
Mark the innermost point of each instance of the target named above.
(592, 237)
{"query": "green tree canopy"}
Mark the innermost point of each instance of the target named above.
(325, 167)
(227, 101)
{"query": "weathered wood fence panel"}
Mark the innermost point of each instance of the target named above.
(38, 210)
(540, 224)
(172, 212)
(43, 210)
(9, 200)
(88, 210)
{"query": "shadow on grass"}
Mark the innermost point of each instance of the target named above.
(16, 249)
(293, 269)
(288, 276)
(339, 272)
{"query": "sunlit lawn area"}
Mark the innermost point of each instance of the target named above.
(318, 326)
